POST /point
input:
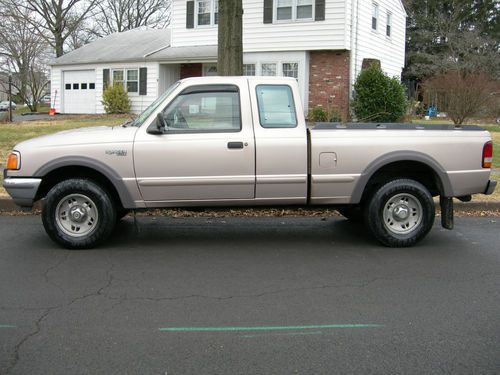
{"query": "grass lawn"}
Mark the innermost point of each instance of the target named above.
(11, 134)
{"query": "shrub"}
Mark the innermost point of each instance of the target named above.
(378, 98)
(318, 114)
(115, 99)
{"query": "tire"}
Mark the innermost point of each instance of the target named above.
(78, 214)
(400, 213)
(352, 213)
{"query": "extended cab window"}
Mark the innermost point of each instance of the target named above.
(207, 108)
(276, 106)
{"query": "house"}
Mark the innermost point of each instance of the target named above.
(322, 43)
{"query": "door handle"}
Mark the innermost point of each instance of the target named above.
(234, 145)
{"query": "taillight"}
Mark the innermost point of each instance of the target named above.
(487, 154)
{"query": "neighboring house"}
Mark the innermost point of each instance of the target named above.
(322, 43)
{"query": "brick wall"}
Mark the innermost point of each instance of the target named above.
(329, 81)
(191, 70)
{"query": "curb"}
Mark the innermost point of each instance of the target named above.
(8, 205)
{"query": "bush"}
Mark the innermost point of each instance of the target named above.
(378, 98)
(115, 99)
(318, 114)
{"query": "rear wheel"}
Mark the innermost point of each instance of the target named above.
(78, 214)
(400, 213)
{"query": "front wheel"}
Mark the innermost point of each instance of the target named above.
(78, 214)
(400, 213)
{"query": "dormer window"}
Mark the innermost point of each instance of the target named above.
(207, 12)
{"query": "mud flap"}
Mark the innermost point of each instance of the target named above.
(446, 212)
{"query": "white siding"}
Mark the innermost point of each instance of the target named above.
(367, 43)
(257, 36)
(55, 87)
(138, 102)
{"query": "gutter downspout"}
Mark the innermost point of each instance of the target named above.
(354, 46)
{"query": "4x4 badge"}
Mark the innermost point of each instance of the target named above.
(116, 152)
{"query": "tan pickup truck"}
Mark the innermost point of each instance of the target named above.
(243, 141)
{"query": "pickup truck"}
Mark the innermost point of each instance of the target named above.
(243, 141)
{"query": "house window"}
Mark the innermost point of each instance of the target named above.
(207, 12)
(374, 16)
(388, 25)
(248, 69)
(268, 69)
(129, 78)
(291, 70)
(292, 10)
(132, 80)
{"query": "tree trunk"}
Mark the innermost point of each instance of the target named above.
(59, 45)
(230, 41)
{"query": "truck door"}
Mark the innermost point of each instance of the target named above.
(281, 142)
(207, 152)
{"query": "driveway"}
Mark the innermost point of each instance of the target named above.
(249, 296)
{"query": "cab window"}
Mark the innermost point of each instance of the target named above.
(206, 108)
(276, 106)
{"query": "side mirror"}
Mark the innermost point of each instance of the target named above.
(158, 126)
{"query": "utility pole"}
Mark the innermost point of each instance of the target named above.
(10, 97)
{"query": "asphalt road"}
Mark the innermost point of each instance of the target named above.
(275, 296)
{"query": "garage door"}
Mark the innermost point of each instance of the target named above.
(79, 91)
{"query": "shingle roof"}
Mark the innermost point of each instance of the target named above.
(135, 45)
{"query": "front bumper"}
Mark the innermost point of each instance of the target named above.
(22, 190)
(490, 188)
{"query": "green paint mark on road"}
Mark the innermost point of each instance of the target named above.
(7, 326)
(284, 334)
(264, 328)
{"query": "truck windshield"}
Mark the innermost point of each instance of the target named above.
(152, 107)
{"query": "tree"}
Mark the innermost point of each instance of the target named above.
(113, 16)
(460, 94)
(450, 35)
(55, 20)
(230, 42)
(24, 54)
(378, 97)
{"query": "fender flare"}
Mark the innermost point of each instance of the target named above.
(399, 156)
(82, 161)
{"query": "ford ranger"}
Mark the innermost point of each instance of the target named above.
(243, 141)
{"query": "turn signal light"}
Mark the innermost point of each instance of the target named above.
(487, 154)
(13, 161)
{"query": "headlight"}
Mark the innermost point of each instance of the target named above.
(14, 161)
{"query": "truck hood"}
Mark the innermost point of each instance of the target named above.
(82, 136)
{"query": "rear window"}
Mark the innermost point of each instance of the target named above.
(276, 106)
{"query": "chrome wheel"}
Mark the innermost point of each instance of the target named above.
(402, 213)
(76, 215)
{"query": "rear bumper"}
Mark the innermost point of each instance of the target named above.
(22, 190)
(490, 188)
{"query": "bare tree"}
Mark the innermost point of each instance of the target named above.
(461, 94)
(55, 20)
(230, 34)
(24, 55)
(113, 16)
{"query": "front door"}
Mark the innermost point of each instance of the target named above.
(206, 154)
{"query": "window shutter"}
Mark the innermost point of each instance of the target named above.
(143, 81)
(190, 15)
(319, 10)
(268, 11)
(105, 79)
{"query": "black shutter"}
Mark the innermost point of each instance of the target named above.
(319, 10)
(268, 11)
(143, 81)
(190, 15)
(105, 79)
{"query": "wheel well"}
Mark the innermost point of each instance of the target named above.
(405, 169)
(60, 174)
